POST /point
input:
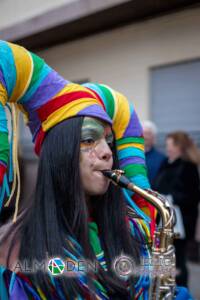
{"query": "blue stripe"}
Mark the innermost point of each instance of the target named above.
(3, 288)
(75, 243)
(131, 151)
(3, 119)
(70, 255)
(131, 108)
(7, 65)
(44, 73)
(96, 89)
(31, 290)
(132, 204)
(12, 281)
(10, 175)
(141, 181)
(4, 190)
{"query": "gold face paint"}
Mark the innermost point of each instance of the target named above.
(92, 132)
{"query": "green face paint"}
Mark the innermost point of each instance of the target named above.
(92, 132)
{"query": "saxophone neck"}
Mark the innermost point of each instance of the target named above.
(160, 203)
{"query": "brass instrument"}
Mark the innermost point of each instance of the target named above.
(162, 284)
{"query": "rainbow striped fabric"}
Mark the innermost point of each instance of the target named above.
(46, 98)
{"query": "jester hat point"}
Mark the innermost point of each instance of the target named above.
(45, 98)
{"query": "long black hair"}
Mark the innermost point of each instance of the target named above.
(60, 210)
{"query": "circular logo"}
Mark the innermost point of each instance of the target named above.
(56, 266)
(123, 266)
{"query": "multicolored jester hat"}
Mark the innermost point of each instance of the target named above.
(45, 98)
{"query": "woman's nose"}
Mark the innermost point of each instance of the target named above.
(103, 150)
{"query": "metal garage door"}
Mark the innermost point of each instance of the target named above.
(175, 98)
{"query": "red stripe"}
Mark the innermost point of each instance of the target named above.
(99, 98)
(39, 140)
(141, 202)
(2, 173)
(48, 108)
(139, 294)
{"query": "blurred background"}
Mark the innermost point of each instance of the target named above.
(148, 50)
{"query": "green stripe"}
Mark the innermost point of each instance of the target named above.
(93, 238)
(133, 170)
(37, 66)
(4, 151)
(110, 100)
(3, 287)
(130, 140)
(100, 286)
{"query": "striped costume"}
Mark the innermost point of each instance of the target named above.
(28, 84)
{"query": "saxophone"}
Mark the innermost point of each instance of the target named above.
(162, 283)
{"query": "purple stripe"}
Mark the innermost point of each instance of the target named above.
(95, 111)
(18, 291)
(3, 163)
(50, 86)
(37, 129)
(132, 160)
(34, 122)
(134, 127)
(2, 80)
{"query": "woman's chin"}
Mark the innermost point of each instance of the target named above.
(98, 189)
(97, 184)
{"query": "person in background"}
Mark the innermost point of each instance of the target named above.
(179, 178)
(154, 158)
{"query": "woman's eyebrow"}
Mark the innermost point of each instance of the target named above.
(91, 131)
(92, 126)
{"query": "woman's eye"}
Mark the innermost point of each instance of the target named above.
(110, 143)
(88, 141)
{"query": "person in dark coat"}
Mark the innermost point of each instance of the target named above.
(179, 178)
(154, 158)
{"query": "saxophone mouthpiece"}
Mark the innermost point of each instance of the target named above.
(107, 173)
(116, 177)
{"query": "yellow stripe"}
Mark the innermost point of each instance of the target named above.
(146, 230)
(131, 145)
(146, 210)
(43, 297)
(73, 87)
(16, 185)
(144, 227)
(24, 70)
(113, 92)
(115, 103)
(24, 113)
(3, 95)
(67, 111)
(122, 116)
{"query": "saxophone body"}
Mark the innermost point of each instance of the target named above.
(162, 263)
